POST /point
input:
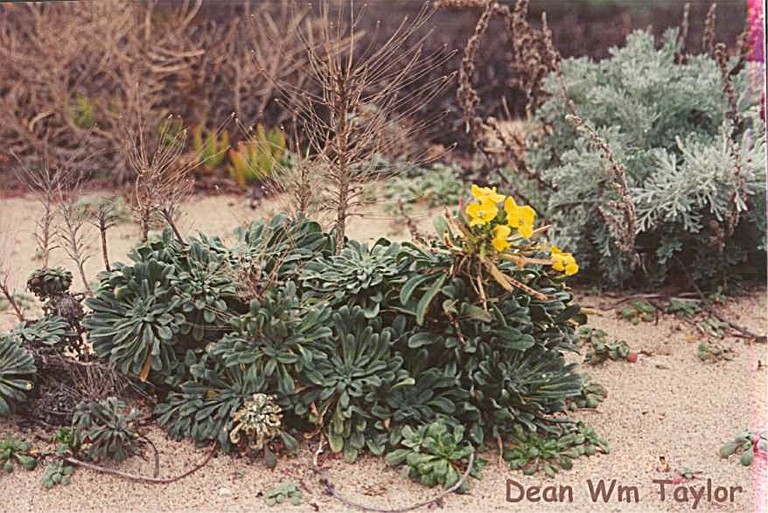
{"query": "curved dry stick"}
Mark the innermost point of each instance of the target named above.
(330, 490)
(156, 470)
(137, 478)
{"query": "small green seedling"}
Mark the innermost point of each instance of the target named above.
(749, 444)
(14, 451)
(712, 327)
(599, 349)
(592, 394)
(57, 473)
(687, 308)
(436, 454)
(549, 452)
(714, 353)
(688, 473)
(280, 493)
(638, 311)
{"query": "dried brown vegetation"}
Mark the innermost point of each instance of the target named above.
(76, 74)
(365, 106)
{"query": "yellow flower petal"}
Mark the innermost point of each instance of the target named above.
(571, 268)
(500, 235)
(520, 217)
(486, 193)
(481, 213)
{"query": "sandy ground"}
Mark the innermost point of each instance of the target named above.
(667, 404)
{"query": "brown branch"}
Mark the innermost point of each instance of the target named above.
(138, 478)
(11, 300)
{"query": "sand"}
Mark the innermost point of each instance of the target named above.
(667, 404)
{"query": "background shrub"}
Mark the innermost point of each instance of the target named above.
(694, 164)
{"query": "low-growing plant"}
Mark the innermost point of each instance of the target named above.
(52, 331)
(600, 350)
(549, 451)
(108, 428)
(16, 452)
(748, 444)
(688, 473)
(284, 492)
(684, 308)
(592, 394)
(355, 368)
(713, 327)
(357, 276)
(172, 299)
(67, 441)
(204, 407)
(17, 371)
(436, 454)
(57, 472)
(714, 353)
(278, 338)
(369, 343)
(46, 283)
(638, 311)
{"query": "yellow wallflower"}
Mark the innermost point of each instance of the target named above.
(486, 193)
(563, 261)
(481, 213)
(520, 217)
(500, 234)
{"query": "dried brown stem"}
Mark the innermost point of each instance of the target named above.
(138, 478)
(708, 38)
(366, 103)
(6, 291)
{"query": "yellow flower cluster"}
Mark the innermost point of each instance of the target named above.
(486, 209)
(562, 261)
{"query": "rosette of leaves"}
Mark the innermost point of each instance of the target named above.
(747, 444)
(592, 394)
(599, 349)
(52, 287)
(52, 331)
(519, 388)
(14, 451)
(17, 370)
(48, 282)
(260, 420)
(204, 285)
(357, 276)
(436, 454)
(285, 492)
(434, 394)
(134, 320)
(205, 407)
(352, 372)
(203, 280)
(505, 346)
(57, 473)
(551, 449)
(108, 427)
(278, 249)
(276, 337)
